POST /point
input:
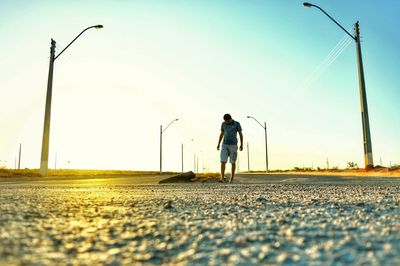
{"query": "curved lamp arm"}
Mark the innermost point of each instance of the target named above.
(312, 5)
(256, 121)
(96, 26)
(170, 124)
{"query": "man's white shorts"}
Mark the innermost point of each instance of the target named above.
(229, 151)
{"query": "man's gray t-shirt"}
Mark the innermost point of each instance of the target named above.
(230, 132)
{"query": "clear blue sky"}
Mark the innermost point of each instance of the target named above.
(196, 60)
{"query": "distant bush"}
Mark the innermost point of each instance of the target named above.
(302, 168)
(352, 165)
(395, 167)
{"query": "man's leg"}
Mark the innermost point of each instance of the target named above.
(233, 172)
(224, 159)
(233, 152)
(222, 171)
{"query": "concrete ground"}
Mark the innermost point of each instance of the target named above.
(259, 219)
(314, 179)
(239, 179)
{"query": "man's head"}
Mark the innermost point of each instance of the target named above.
(227, 118)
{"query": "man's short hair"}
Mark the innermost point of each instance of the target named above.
(227, 117)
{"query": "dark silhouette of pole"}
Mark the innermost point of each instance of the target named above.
(182, 156)
(161, 133)
(44, 159)
(266, 147)
(368, 159)
(46, 128)
(182, 151)
(19, 156)
(248, 157)
(367, 143)
(266, 142)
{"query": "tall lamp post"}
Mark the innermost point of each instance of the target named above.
(266, 147)
(44, 160)
(368, 159)
(161, 132)
(248, 158)
(182, 151)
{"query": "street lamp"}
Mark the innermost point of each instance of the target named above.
(161, 132)
(182, 151)
(196, 161)
(46, 128)
(248, 157)
(368, 159)
(266, 147)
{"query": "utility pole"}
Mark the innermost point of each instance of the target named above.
(369, 163)
(266, 142)
(46, 128)
(248, 157)
(161, 149)
(266, 148)
(327, 163)
(161, 132)
(19, 156)
(44, 159)
(182, 151)
(182, 156)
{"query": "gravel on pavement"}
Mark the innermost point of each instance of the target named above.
(207, 224)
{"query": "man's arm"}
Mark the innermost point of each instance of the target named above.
(241, 140)
(221, 136)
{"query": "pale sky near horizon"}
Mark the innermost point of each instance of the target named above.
(155, 61)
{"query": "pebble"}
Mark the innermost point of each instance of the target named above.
(199, 224)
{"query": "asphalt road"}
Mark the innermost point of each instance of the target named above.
(260, 219)
(315, 179)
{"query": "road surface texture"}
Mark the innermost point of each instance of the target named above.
(259, 219)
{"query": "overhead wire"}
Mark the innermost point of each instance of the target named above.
(325, 63)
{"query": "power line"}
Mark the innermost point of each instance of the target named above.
(328, 60)
(324, 64)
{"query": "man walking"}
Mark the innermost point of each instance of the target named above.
(229, 130)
